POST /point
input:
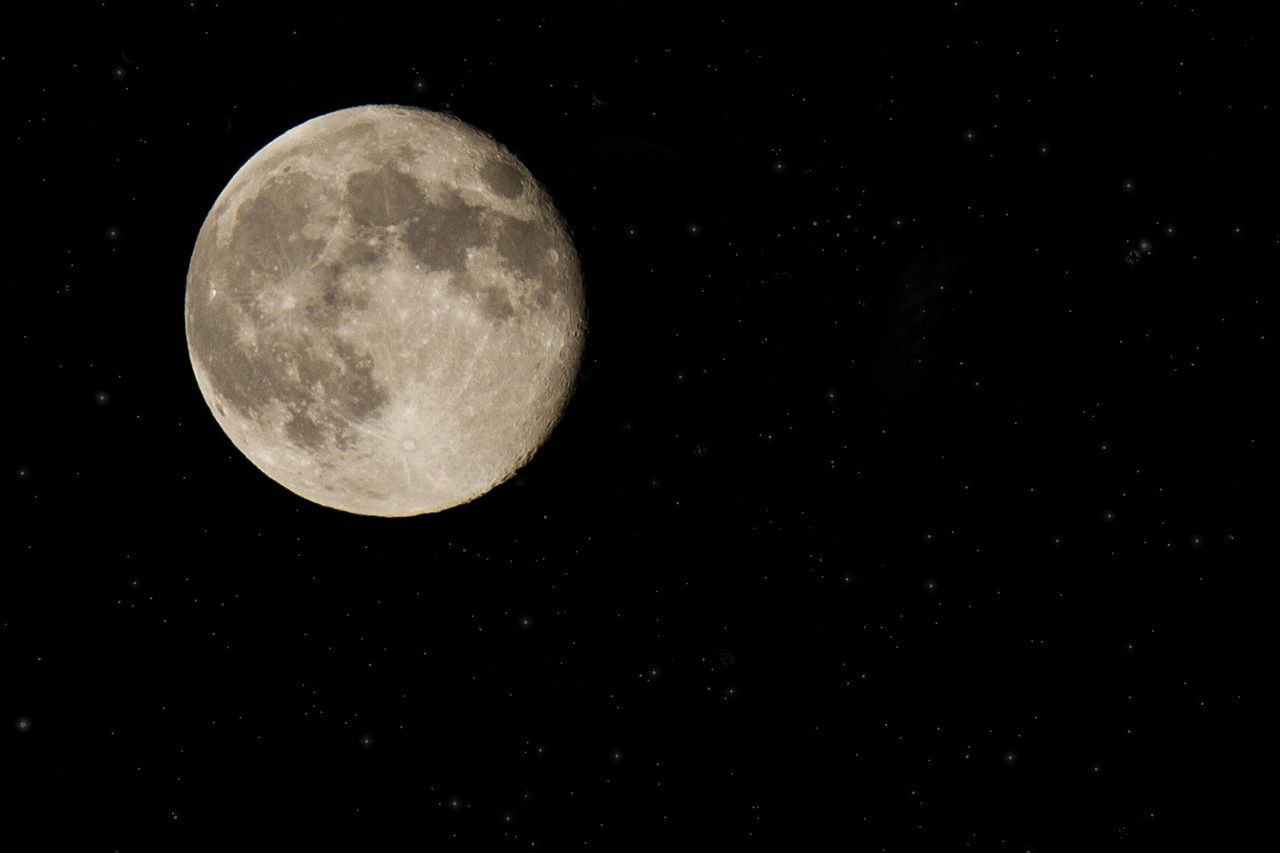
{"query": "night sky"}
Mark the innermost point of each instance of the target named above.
(897, 505)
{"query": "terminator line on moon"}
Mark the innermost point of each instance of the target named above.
(385, 312)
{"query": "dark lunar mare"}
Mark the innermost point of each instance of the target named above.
(289, 363)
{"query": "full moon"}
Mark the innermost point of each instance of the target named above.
(385, 312)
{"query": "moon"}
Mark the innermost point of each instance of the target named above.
(385, 311)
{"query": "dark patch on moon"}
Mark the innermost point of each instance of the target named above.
(439, 236)
(267, 231)
(341, 286)
(503, 178)
(303, 430)
(323, 381)
(339, 297)
(347, 394)
(495, 304)
(525, 245)
(359, 254)
(383, 197)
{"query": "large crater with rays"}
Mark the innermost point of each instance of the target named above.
(385, 312)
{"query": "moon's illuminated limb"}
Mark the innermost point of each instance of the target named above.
(385, 312)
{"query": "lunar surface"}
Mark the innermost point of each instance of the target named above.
(385, 312)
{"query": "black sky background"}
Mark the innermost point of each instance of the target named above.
(897, 503)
